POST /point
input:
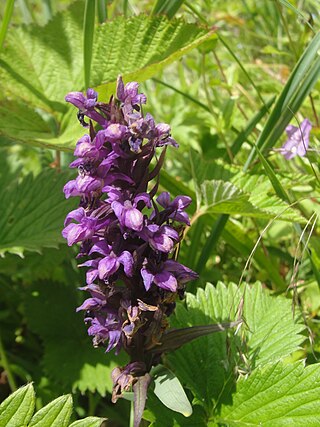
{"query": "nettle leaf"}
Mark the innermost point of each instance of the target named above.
(37, 68)
(272, 331)
(207, 365)
(223, 189)
(69, 359)
(157, 43)
(18, 408)
(276, 395)
(56, 414)
(33, 212)
(226, 198)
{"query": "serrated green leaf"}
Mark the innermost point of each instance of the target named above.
(169, 390)
(18, 408)
(158, 42)
(276, 395)
(56, 414)
(206, 364)
(270, 332)
(224, 197)
(33, 212)
(88, 422)
(38, 69)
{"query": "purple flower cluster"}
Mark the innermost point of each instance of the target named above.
(297, 143)
(127, 236)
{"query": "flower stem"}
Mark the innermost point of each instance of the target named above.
(131, 414)
(6, 367)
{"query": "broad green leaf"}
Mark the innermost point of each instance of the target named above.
(224, 197)
(169, 390)
(69, 357)
(55, 414)
(38, 69)
(33, 212)
(157, 43)
(18, 408)
(269, 333)
(276, 395)
(273, 332)
(206, 364)
(88, 422)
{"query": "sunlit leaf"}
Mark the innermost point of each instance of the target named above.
(169, 390)
(18, 408)
(276, 395)
(55, 414)
(33, 212)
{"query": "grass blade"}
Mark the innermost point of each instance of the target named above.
(6, 20)
(288, 5)
(102, 11)
(211, 242)
(88, 33)
(298, 86)
(167, 7)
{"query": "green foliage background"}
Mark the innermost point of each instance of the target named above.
(228, 77)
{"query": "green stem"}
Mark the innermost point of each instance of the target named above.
(6, 367)
(131, 414)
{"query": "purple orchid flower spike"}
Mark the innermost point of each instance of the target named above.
(128, 236)
(298, 140)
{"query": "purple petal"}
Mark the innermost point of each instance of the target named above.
(70, 189)
(107, 266)
(76, 214)
(133, 219)
(114, 338)
(91, 304)
(181, 272)
(147, 278)
(164, 199)
(126, 260)
(77, 99)
(166, 280)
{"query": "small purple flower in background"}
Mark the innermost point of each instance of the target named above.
(128, 236)
(298, 140)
